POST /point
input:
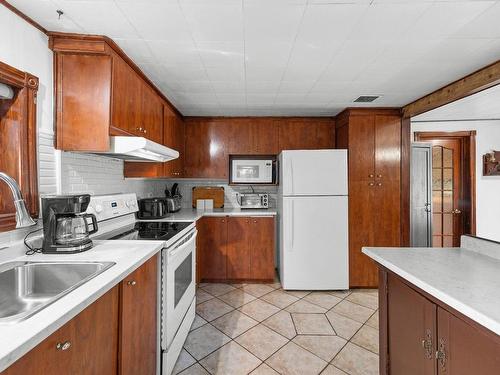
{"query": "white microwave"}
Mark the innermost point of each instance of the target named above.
(252, 170)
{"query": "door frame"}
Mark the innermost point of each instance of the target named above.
(468, 141)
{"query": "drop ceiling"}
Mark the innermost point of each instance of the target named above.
(288, 57)
(484, 105)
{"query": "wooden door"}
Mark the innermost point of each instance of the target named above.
(169, 138)
(206, 153)
(152, 115)
(463, 349)
(387, 226)
(446, 192)
(239, 233)
(212, 235)
(361, 133)
(91, 340)
(126, 98)
(138, 320)
(262, 248)
(411, 330)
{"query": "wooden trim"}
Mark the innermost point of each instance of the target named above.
(27, 87)
(357, 111)
(479, 80)
(23, 16)
(405, 180)
(236, 118)
(469, 137)
(86, 43)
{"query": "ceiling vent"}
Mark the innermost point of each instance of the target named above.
(366, 99)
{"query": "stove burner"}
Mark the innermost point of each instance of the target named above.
(152, 230)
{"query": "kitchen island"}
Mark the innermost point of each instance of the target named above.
(439, 308)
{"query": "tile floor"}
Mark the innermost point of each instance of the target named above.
(261, 329)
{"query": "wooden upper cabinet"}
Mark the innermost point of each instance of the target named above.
(127, 98)
(173, 137)
(307, 134)
(83, 99)
(265, 135)
(90, 342)
(100, 91)
(206, 153)
(152, 115)
(138, 320)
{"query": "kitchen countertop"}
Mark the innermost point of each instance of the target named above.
(188, 214)
(464, 279)
(20, 337)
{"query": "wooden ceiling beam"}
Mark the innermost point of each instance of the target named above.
(481, 79)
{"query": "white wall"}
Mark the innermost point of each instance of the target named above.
(487, 188)
(26, 48)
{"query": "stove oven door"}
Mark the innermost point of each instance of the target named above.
(179, 283)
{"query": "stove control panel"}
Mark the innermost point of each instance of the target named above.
(110, 206)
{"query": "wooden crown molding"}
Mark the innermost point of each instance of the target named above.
(477, 81)
(23, 16)
(100, 44)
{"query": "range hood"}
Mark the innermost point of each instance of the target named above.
(138, 149)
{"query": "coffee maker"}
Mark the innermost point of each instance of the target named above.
(66, 228)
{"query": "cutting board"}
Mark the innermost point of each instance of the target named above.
(209, 192)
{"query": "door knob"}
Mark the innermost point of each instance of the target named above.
(456, 211)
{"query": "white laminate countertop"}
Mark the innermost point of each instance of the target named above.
(189, 214)
(16, 339)
(465, 280)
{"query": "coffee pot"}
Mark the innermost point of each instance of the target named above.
(66, 226)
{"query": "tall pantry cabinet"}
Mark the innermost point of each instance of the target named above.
(373, 140)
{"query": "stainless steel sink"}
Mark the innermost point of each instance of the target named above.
(28, 287)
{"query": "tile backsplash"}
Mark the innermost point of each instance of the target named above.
(97, 175)
(186, 188)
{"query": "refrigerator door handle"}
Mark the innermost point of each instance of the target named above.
(292, 182)
(293, 226)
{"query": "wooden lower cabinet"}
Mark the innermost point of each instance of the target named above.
(211, 248)
(425, 337)
(139, 320)
(236, 248)
(117, 334)
(87, 344)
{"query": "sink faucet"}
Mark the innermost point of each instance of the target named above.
(23, 218)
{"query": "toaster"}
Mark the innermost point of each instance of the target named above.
(253, 200)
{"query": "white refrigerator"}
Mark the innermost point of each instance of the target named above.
(313, 220)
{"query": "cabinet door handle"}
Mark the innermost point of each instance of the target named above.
(255, 221)
(379, 184)
(132, 282)
(441, 354)
(223, 221)
(371, 184)
(371, 175)
(63, 345)
(379, 176)
(427, 344)
(144, 131)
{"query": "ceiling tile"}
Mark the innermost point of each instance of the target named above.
(157, 20)
(221, 53)
(272, 23)
(174, 53)
(267, 53)
(214, 23)
(226, 73)
(137, 49)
